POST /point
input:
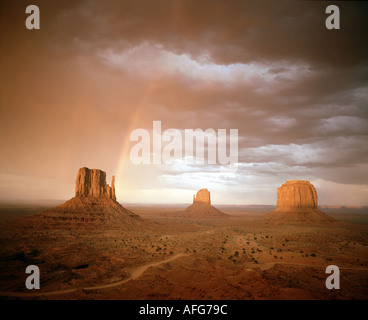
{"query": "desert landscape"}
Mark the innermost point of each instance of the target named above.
(183, 150)
(91, 247)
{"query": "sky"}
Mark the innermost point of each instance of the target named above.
(73, 91)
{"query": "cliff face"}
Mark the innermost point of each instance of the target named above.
(94, 205)
(202, 196)
(92, 183)
(297, 203)
(297, 194)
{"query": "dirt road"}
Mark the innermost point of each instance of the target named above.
(134, 275)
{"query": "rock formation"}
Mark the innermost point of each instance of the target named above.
(202, 208)
(94, 203)
(297, 202)
(92, 183)
(203, 196)
(297, 194)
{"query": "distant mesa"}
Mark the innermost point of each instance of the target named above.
(203, 196)
(297, 202)
(202, 208)
(94, 202)
(297, 194)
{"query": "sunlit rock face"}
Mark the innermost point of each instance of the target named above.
(297, 194)
(92, 183)
(202, 196)
(94, 205)
(297, 202)
(202, 208)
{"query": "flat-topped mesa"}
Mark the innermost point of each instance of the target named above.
(297, 194)
(297, 203)
(202, 196)
(92, 183)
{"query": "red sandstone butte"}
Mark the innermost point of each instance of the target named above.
(202, 208)
(297, 201)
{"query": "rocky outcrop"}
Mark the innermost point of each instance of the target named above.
(202, 196)
(202, 208)
(297, 194)
(297, 202)
(92, 183)
(113, 196)
(94, 205)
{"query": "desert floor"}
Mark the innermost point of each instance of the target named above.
(172, 257)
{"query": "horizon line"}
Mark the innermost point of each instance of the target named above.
(54, 201)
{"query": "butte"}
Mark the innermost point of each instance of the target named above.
(94, 204)
(297, 202)
(202, 208)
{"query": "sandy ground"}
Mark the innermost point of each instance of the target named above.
(169, 257)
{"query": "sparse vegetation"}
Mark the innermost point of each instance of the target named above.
(209, 256)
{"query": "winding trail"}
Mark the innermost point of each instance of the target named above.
(138, 272)
(133, 276)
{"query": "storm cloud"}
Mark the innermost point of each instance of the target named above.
(72, 92)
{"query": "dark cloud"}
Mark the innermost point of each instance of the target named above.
(72, 92)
